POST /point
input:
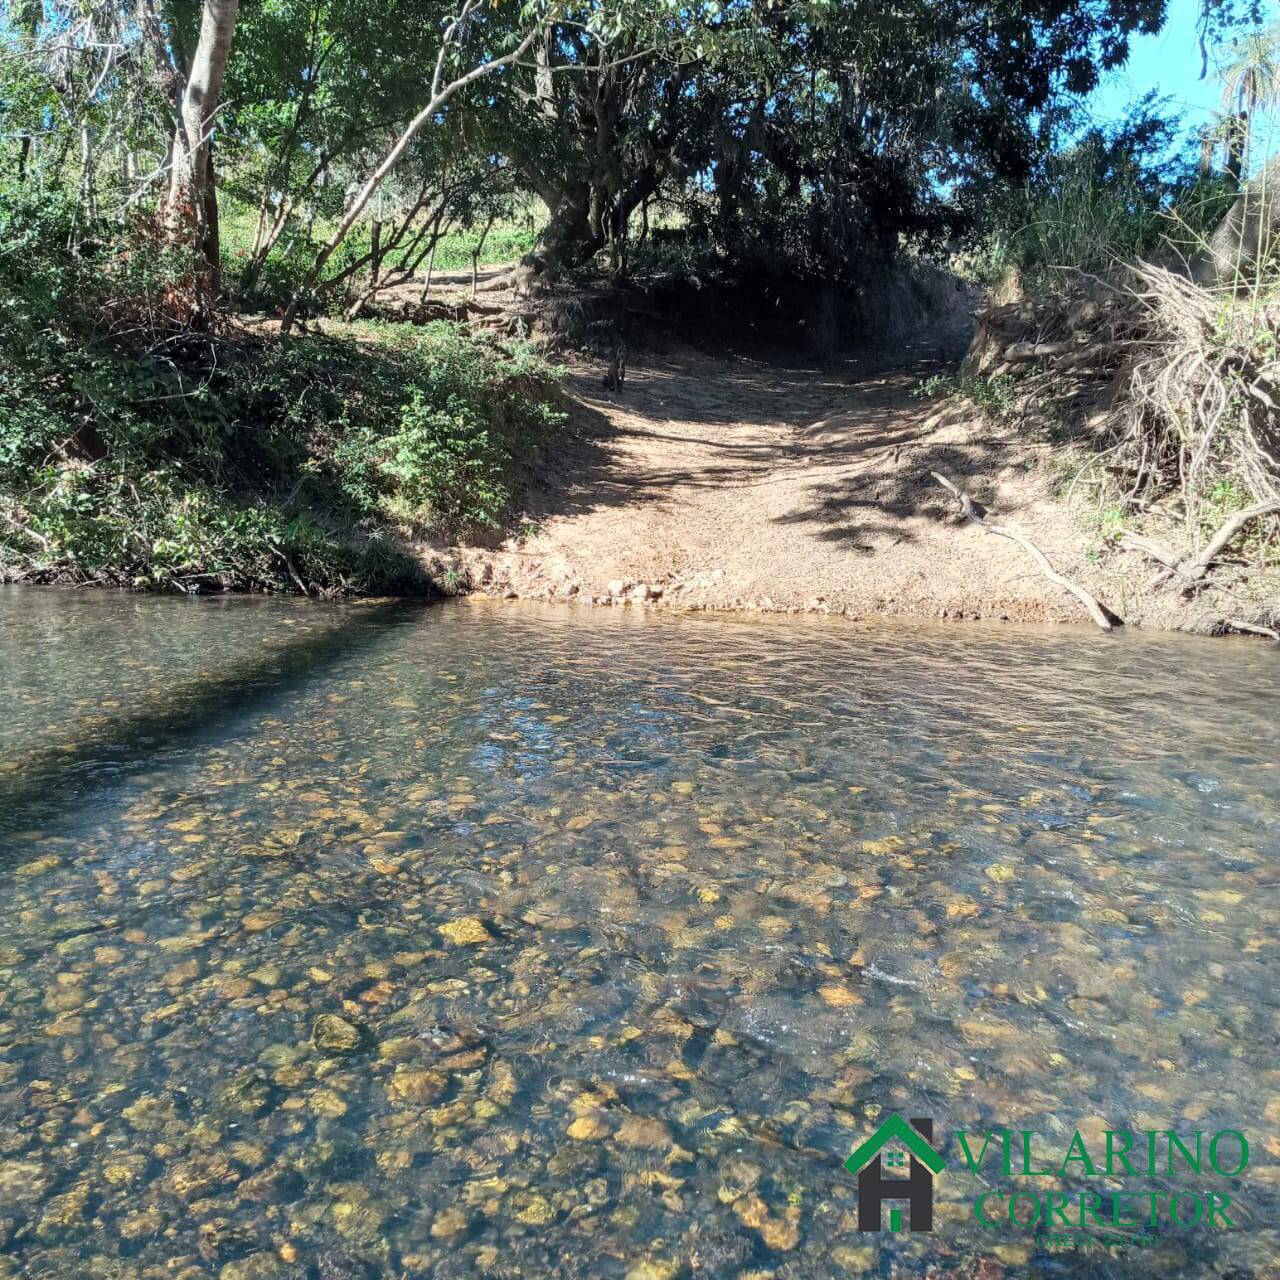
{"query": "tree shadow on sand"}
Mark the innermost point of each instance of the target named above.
(879, 505)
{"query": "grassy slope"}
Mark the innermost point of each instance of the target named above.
(135, 451)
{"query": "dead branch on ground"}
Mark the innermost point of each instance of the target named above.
(1253, 628)
(975, 514)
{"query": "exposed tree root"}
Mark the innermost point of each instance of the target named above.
(1192, 569)
(974, 513)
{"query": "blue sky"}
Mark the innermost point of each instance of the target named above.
(1170, 63)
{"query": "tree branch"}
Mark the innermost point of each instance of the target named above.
(976, 515)
(441, 93)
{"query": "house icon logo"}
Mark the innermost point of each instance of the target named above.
(909, 1145)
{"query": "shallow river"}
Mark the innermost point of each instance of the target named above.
(345, 941)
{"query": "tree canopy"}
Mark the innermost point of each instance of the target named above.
(819, 134)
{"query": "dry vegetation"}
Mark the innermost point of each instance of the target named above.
(1173, 388)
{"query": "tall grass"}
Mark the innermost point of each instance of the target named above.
(1088, 213)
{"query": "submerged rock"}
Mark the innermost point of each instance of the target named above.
(332, 1034)
(466, 932)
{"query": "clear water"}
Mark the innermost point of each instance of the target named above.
(642, 921)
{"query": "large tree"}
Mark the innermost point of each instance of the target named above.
(192, 201)
(844, 119)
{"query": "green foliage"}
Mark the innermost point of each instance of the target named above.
(1225, 498)
(994, 396)
(503, 244)
(801, 141)
(160, 529)
(468, 429)
(279, 272)
(135, 451)
(1111, 522)
(1111, 196)
(447, 463)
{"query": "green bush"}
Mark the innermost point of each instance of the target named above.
(446, 463)
(135, 451)
(994, 396)
(469, 429)
(157, 529)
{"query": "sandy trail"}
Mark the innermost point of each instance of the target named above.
(729, 483)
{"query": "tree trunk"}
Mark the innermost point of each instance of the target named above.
(475, 257)
(192, 199)
(568, 240)
(88, 194)
(1235, 146)
(1208, 146)
(431, 257)
(1248, 234)
(375, 250)
(212, 241)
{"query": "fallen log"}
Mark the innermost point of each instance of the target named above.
(976, 514)
(1254, 628)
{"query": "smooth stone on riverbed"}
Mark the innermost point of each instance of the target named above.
(332, 1034)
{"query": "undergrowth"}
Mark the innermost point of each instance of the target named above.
(995, 396)
(135, 451)
(1120, 193)
(1169, 391)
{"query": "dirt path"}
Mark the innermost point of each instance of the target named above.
(724, 483)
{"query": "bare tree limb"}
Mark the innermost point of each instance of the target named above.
(1198, 567)
(1152, 550)
(440, 95)
(1192, 569)
(976, 515)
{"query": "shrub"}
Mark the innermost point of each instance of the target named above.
(1117, 194)
(994, 396)
(137, 452)
(469, 429)
(448, 464)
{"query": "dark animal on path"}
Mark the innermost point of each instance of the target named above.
(616, 374)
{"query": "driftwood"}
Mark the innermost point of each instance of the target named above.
(975, 514)
(1254, 628)
(1192, 569)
